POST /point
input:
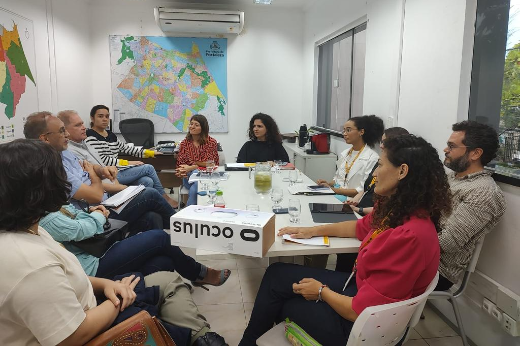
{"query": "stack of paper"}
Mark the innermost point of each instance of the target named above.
(304, 190)
(318, 241)
(123, 197)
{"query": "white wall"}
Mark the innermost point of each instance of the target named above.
(264, 64)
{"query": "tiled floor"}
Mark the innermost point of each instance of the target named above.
(229, 307)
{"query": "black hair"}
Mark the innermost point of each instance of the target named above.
(477, 135)
(272, 134)
(424, 191)
(395, 131)
(94, 110)
(33, 183)
(373, 127)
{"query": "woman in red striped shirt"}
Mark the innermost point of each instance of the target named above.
(195, 150)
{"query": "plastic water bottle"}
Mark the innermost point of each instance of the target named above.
(219, 200)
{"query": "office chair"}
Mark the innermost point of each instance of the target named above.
(139, 131)
(452, 297)
(378, 325)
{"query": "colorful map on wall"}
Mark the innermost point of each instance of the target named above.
(18, 93)
(169, 79)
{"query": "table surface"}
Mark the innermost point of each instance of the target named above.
(238, 191)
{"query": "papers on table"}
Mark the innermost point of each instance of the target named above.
(318, 241)
(122, 168)
(196, 177)
(239, 166)
(123, 197)
(305, 190)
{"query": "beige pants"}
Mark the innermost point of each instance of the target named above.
(176, 305)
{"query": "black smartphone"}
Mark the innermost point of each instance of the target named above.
(330, 208)
(281, 211)
(317, 187)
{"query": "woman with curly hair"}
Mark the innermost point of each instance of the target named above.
(265, 142)
(398, 256)
(355, 164)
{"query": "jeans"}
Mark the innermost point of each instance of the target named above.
(143, 174)
(193, 187)
(147, 252)
(276, 300)
(148, 210)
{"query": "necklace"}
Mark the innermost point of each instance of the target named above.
(28, 230)
(349, 166)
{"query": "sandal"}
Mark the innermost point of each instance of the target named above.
(222, 279)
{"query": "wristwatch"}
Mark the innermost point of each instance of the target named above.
(319, 293)
(360, 211)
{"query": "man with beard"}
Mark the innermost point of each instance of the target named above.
(478, 203)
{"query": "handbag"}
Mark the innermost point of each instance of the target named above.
(98, 244)
(297, 336)
(138, 330)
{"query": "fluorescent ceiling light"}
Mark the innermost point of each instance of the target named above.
(263, 2)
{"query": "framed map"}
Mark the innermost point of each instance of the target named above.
(18, 92)
(169, 79)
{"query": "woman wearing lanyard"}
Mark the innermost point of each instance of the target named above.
(354, 164)
(398, 256)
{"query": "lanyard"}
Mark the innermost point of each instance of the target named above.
(348, 167)
(361, 247)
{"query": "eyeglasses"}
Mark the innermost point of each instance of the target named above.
(349, 129)
(453, 146)
(61, 132)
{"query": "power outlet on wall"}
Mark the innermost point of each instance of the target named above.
(509, 324)
(487, 306)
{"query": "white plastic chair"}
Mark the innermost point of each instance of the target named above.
(452, 297)
(376, 326)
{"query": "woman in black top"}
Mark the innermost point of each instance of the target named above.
(99, 120)
(265, 141)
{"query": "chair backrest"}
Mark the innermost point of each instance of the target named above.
(471, 267)
(387, 324)
(139, 131)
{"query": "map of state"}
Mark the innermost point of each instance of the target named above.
(14, 70)
(168, 79)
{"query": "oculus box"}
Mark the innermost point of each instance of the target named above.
(241, 232)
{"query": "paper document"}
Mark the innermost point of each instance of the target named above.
(240, 165)
(304, 190)
(123, 196)
(318, 241)
(196, 177)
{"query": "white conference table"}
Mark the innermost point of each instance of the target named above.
(238, 191)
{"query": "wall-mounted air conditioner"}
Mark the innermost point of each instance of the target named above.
(199, 21)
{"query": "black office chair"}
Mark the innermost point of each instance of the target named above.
(138, 131)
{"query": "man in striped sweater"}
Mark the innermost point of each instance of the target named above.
(141, 174)
(478, 202)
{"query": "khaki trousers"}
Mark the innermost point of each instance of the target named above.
(176, 305)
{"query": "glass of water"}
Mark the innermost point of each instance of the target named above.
(293, 177)
(204, 180)
(215, 178)
(277, 197)
(210, 166)
(294, 210)
(277, 165)
(212, 191)
(254, 208)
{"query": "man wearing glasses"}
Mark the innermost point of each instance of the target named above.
(478, 203)
(148, 210)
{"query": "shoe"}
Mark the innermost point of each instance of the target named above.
(210, 339)
(222, 279)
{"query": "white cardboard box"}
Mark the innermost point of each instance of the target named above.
(233, 231)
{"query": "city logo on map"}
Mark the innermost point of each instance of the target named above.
(215, 50)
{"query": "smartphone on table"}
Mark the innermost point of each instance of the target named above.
(330, 208)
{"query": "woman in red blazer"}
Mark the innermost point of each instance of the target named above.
(397, 260)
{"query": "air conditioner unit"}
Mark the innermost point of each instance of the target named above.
(199, 21)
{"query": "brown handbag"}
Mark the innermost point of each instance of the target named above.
(138, 330)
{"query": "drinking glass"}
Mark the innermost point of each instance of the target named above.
(277, 165)
(204, 180)
(215, 178)
(276, 197)
(294, 210)
(212, 191)
(210, 166)
(293, 176)
(254, 208)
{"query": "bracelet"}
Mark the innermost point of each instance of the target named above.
(360, 211)
(319, 293)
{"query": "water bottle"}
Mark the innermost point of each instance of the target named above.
(303, 135)
(219, 200)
